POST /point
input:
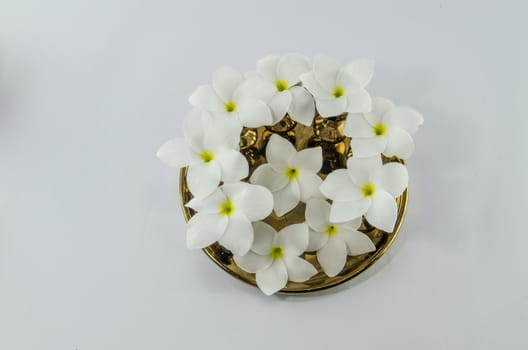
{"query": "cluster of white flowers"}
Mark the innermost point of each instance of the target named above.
(230, 207)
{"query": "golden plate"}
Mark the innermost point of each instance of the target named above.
(324, 132)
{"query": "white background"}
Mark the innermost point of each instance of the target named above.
(92, 252)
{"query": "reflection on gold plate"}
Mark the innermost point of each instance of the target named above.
(327, 133)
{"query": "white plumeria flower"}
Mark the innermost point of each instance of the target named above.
(387, 129)
(290, 175)
(274, 257)
(226, 216)
(276, 80)
(210, 150)
(226, 97)
(339, 88)
(368, 188)
(334, 241)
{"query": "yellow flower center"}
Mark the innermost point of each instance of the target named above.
(331, 230)
(276, 252)
(368, 190)
(379, 129)
(292, 173)
(230, 106)
(281, 85)
(227, 208)
(338, 92)
(206, 156)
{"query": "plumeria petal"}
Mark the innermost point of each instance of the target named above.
(205, 229)
(358, 243)
(326, 69)
(267, 67)
(311, 84)
(273, 278)
(268, 177)
(213, 137)
(338, 186)
(175, 153)
(399, 143)
(380, 106)
(368, 147)
(238, 236)
(210, 204)
(256, 87)
(264, 207)
(253, 113)
(345, 211)
(348, 82)
(299, 270)
(279, 151)
(219, 132)
(286, 198)
(231, 130)
(309, 184)
(294, 239)
(302, 107)
(359, 102)
(225, 82)
(393, 178)
(256, 202)
(317, 214)
(357, 126)
(194, 124)
(383, 211)
(203, 178)
(310, 159)
(264, 237)
(280, 104)
(373, 118)
(360, 169)
(361, 69)
(205, 97)
(331, 107)
(234, 165)
(252, 262)
(351, 225)
(291, 66)
(332, 256)
(405, 118)
(316, 240)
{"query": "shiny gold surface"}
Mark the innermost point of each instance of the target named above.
(328, 134)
